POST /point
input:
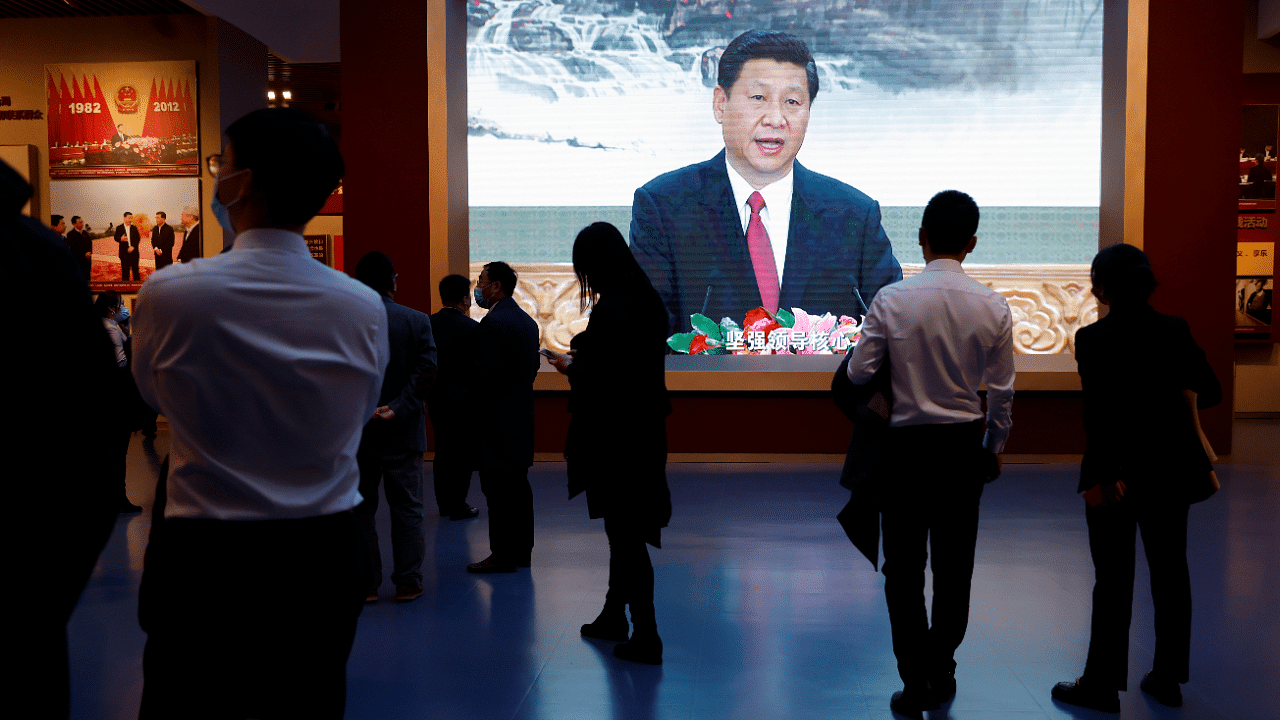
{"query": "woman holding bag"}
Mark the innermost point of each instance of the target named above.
(1143, 376)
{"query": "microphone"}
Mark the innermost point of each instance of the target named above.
(861, 302)
(706, 300)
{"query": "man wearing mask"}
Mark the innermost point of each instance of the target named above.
(508, 364)
(267, 365)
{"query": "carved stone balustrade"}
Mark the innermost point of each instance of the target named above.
(1049, 302)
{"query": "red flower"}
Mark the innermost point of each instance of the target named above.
(698, 345)
(754, 317)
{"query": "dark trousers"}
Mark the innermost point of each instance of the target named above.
(630, 571)
(250, 618)
(129, 265)
(929, 501)
(452, 481)
(403, 487)
(1112, 542)
(510, 500)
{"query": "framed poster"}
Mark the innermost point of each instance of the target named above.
(1255, 278)
(123, 119)
(124, 230)
(1259, 129)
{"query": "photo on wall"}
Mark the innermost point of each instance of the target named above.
(123, 230)
(1259, 130)
(123, 119)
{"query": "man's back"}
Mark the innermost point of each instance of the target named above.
(456, 336)
(945, 332)
(266, 364)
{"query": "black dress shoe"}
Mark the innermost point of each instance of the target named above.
(642, 649)
(942, 687)
(489, 565)
(1165, 692)
(464, 513)
(613, 629)
(1082, 694)
(912, 703)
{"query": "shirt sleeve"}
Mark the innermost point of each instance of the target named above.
(999, 376)
(144, 336)
(872, 345)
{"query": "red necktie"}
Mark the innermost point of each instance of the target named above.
(762, 256)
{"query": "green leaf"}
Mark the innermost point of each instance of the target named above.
(680, 342)
(716, 350)
(785, 318)
(727, 324)
(706, 326)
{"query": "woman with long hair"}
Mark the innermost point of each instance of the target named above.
(617, 444)
(1143, 377)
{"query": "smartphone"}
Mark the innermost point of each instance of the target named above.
(547, 353)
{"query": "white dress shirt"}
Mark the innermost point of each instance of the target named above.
(267, 365)
(777, 195)
(945, 333)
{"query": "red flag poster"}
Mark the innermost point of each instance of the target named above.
(111, 126)
(55, 115)
(105, 128)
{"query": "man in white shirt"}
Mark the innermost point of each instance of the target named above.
(943, 334)
(267, 365)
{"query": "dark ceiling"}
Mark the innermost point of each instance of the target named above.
(91, 8)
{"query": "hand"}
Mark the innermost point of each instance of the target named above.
(88, 255)
(1112, 493)
(384, 413)
(560, 361)
(133, 249)
(159, 251)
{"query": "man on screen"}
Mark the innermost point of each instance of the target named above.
(752, 227)
(128, 238)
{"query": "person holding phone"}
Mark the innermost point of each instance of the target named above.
(617, 444)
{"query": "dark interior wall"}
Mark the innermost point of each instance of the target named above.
(1194, 91)
(384, 140)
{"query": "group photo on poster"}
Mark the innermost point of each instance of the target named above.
(121, 231)
(122, 119)
(665, 118)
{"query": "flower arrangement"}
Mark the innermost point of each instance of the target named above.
(793, 332)
(148, 148)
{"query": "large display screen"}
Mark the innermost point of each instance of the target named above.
(574, 105)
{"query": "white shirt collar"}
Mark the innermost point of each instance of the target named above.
(944, 265)
(271, 239)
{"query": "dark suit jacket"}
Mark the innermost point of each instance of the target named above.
(687, 235)
(118, 138)
(508, 365)
(617, 444)
(134, 239)
(452, 397)
(162, 239)
(410, 372)
(190, 245)
(1134, 365)
(79, 243)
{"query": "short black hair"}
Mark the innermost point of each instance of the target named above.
(54, 220)
(454, 288)
(769, 45)
(1124, 274)
(502, 274)
(950, 221)
(74, 218)
(106, 301)
(296, 164)
(161, 214)
(128, 214)
(376, 271)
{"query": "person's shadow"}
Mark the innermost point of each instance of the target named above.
(633, 687)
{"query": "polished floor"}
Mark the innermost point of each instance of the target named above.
(765, 608)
